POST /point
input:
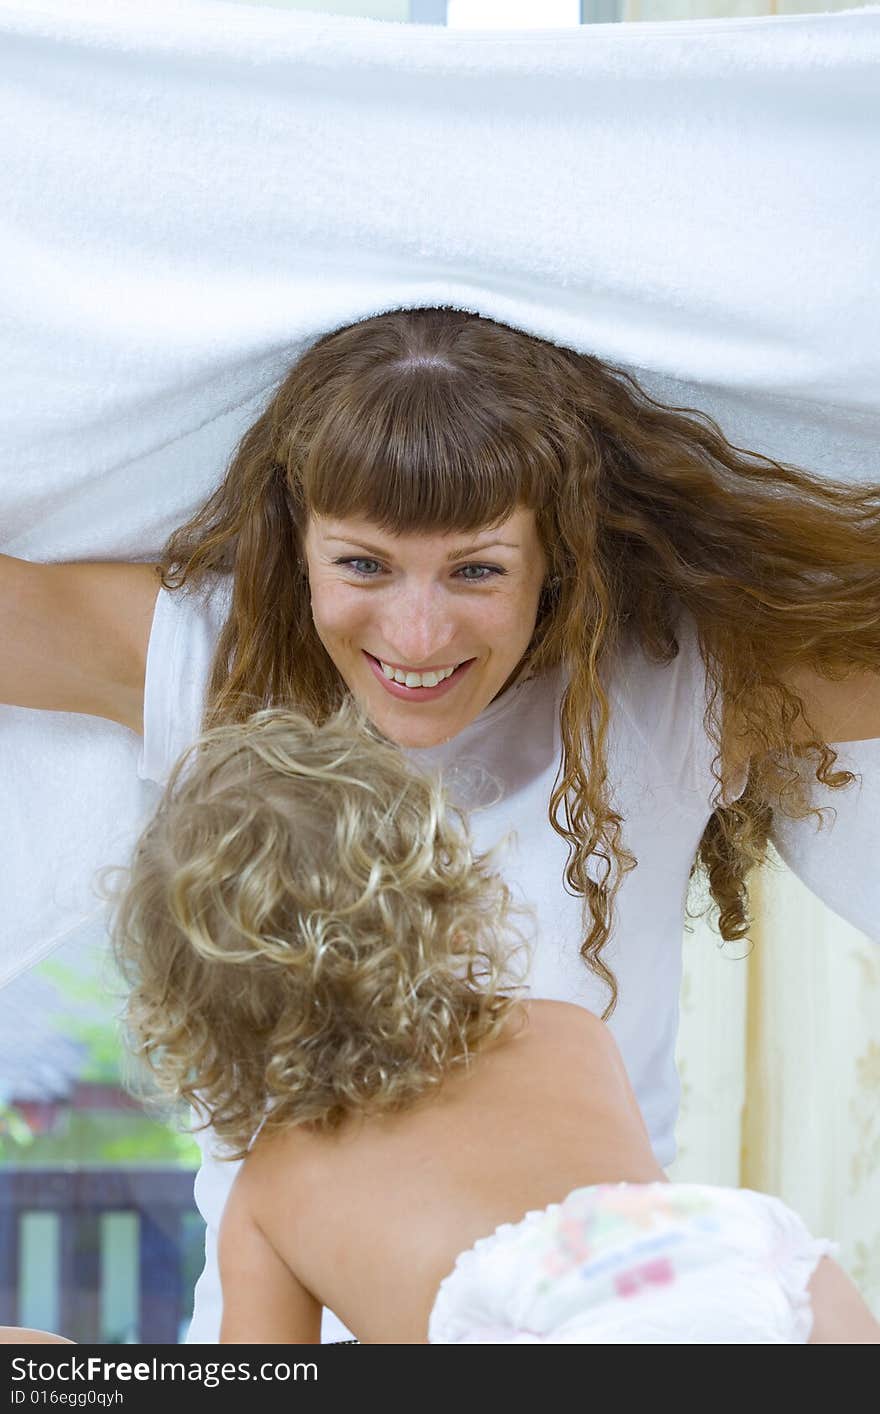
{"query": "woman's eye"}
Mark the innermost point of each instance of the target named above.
(368, 568)
(481, 572)
(363, 566)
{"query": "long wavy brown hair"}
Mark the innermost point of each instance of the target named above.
(438, 420)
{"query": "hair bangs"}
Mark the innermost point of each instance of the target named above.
(416, 448)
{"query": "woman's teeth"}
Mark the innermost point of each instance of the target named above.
(415, 679)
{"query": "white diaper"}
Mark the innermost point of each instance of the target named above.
(636, 1264)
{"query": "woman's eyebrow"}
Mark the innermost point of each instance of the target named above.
(381, 554)
(479, 549)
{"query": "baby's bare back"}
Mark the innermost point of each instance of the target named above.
(372, 1218)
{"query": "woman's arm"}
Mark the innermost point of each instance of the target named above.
(264, 1303)
(848, 710)
(73, 637)
(840, 711)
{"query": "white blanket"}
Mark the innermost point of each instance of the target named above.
(193, 192)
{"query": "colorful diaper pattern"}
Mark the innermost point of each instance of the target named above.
(654, 1263)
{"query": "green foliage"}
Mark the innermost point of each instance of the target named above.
(99, 1138)
(98, 1033)
(93, 996)
(15, 1132)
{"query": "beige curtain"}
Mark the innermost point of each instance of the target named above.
(778, 1048)
(780, 1066)
(729, 9)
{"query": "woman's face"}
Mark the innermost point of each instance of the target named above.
(450, 614)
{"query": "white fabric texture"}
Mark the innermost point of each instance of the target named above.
(636, 1264)
(193, 192)
(503, 767)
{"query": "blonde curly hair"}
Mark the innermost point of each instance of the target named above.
(307, 930)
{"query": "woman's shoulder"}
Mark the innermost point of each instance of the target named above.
(640, 678)
(641, 674)
(188, 620)
(668, 706)
(210, 595)
(187, 624)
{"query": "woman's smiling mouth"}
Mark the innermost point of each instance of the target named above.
(410, 686)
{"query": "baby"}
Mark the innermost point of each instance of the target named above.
(312, 940)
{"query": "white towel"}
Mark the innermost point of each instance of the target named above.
(194, 192)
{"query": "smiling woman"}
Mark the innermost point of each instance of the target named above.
(425, 630)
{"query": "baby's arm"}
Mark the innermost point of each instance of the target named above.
(263, 1301)
(24, 1335)
(840, 1316)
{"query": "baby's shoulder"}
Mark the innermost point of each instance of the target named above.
(284, 1157)
(563, 1033)
(571, 1053)
(546, 1015)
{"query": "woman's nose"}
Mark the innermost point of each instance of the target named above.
(419, 629)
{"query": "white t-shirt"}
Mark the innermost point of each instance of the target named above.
(659, 764)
